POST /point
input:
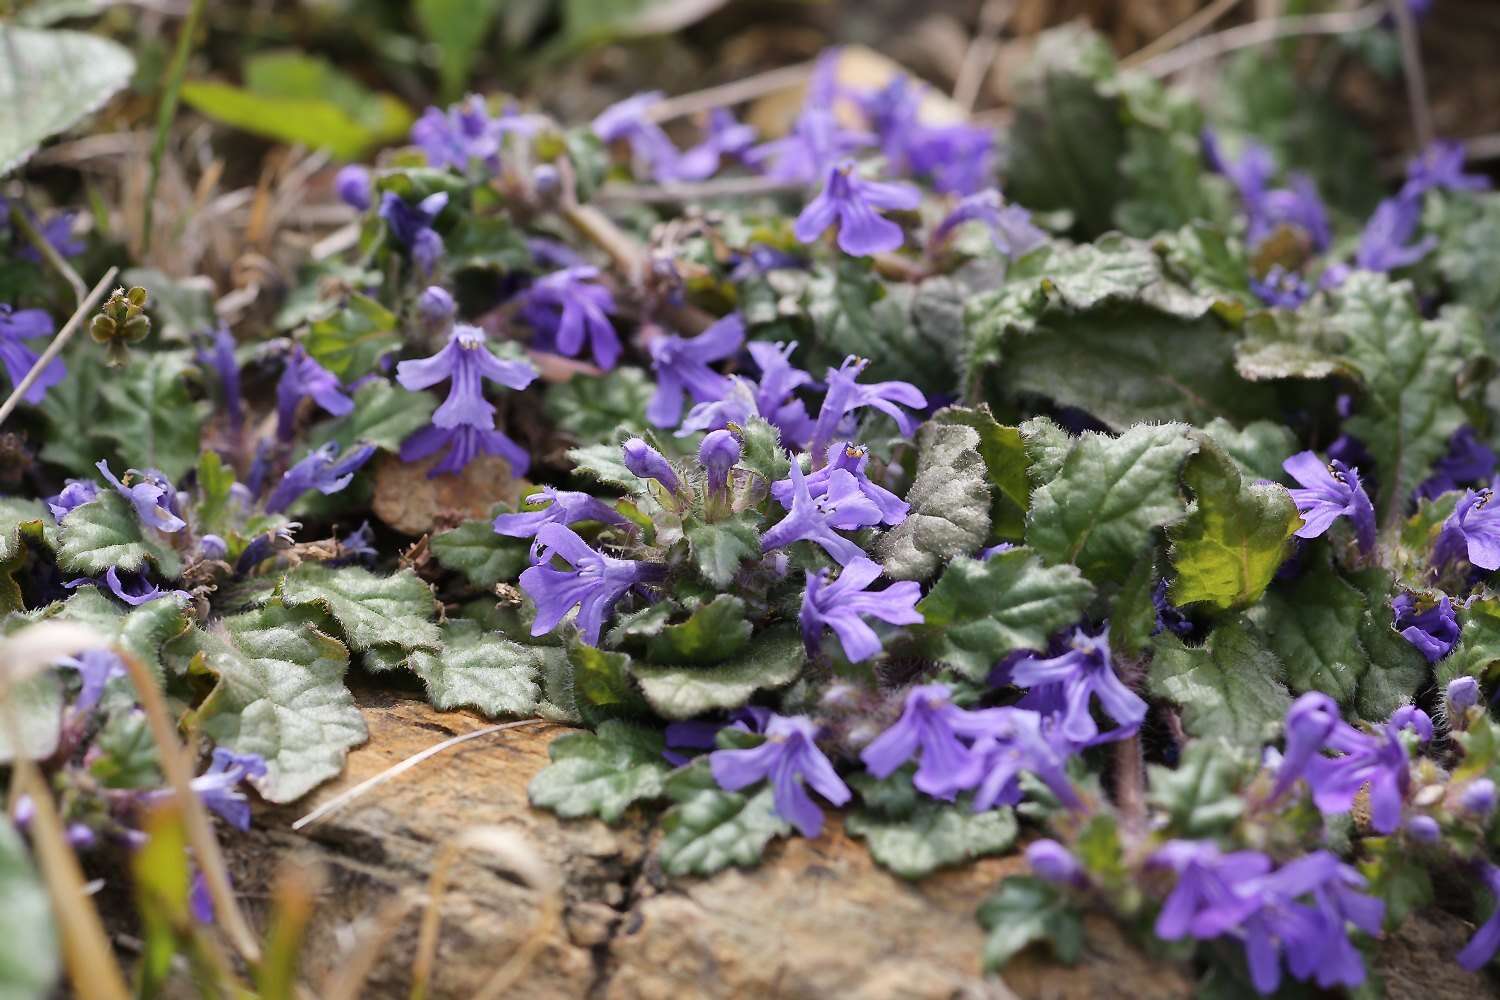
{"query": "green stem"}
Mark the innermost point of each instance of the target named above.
(167, 112)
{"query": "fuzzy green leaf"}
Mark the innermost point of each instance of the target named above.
(1230, 689)
(712, 634)
(1201, 795)
(479, 669)
(105, 533)
(280, 694)
(1005, 461)
(52, 80)
(351, 340)
(773, 659)
(1229, 548)
(371, 610)
(1101, 511)
(1026, 911)
(922, 835)
(38, 703)
(980, 610)
(719, 547)
(483, 556)
(601, 773)
(760, 450)
(603, 463)
(384, 415)
(710, 829)
(1478, 648)
(141, 631)
(147, 412)
(19, 520)
(594, 409)
(950, 505)
(1259, 447)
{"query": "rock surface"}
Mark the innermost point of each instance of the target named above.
(816, 919)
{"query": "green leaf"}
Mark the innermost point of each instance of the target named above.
(371, 610)
(484, 557)
(603, 463)
(712, 634)
(602, 773)
(950, 505)
(1259, 447)
(1067, 138)
(215, 481)
(74, 439)
(1163, 160)
(19, 520)
(486, 242)
(1127, 364)
(1468, 255)
(384, 415)
(106, 533)
(601, 683)
(709, 829)
(1282, 344)
(596, 409)
(1101, 510)
(773, 659)
(479, 669)
(148, 414)
(280, 694)
(1026, 911)
(1201, 795)
(980, 610)
(1005, 461)
(37, 702)
(28, 941)
(1132, 618)
(1047, 447)
(1397, 875)
(457, 29)
(719, 547)
(1410, 368)
(1228, 550)
(126, 753)
(351, 340)
(141, 631)
(1478, 648)
(1397, 670)
(1206, 259)
(297, 98)
(52, 80)
(926, 835)
(1230, 689)
(590, 22)
(1117, 270)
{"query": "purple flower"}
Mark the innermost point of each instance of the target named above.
(718, 453)
(1478, 797)
(1424, 830)
(1281, 288)
(411, 226)
(303, 378)
(850, 201)
(1329, 492)
(791, 760)
(1385, 244)
(842, 506)
(845, 395)
(1208, 881)
(1069, 682)
(726, 137)
(463, 443)
(218, 787)
(779, 380)
(1168, 617)
(1462, 694)
(702, 734)
(220, 357)
(136, 589)
(850, 458)
(1440, 167)
(1010, 226)
(1013, 740)
(1482, 946)
(1467, 460)
(200, 900)
(75, 493)
(592, 583)
(1472, 530)
(1376, 759)
(1309, 721)
(1250, 174)
(465, 361)
(1051, 861)
(562, 507)
(566, 305)
(359, 544)
(645, 462)
(960, 159)
(436, 305)
(354, 187)
(463, 135)
(682, 367)
(844, 604)
(320, 470)
(152, 497)
(15, 329)
(940, 730)
(1297, 205)
(96, 668)
(1433, 631)
(816, 142)
(650, 149)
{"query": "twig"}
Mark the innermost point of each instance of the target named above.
(167, 112)
(49, 253)
(1412, 72)
(723, 187)
(737, 92)
(349, 795)
(601, 231)
(1261, 33)
(200, 831)
(980, 55)
(58, 343)
(1188, 27)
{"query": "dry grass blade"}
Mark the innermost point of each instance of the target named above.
(1189, 27)
(729, 94)
(521, 858)
(1263, 32)
(395, 770)
(981, 52)
(58, 343)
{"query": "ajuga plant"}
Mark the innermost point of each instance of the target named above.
(1139, 518)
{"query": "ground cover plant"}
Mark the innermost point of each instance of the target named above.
(1113, 485)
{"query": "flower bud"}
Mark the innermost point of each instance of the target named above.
(436, 304)
(213, 547)
(1424, 829)
(1051, 861)
(718, 453)
(1463, 693)
(1478, 797)
(645, 462)
(353, 186)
